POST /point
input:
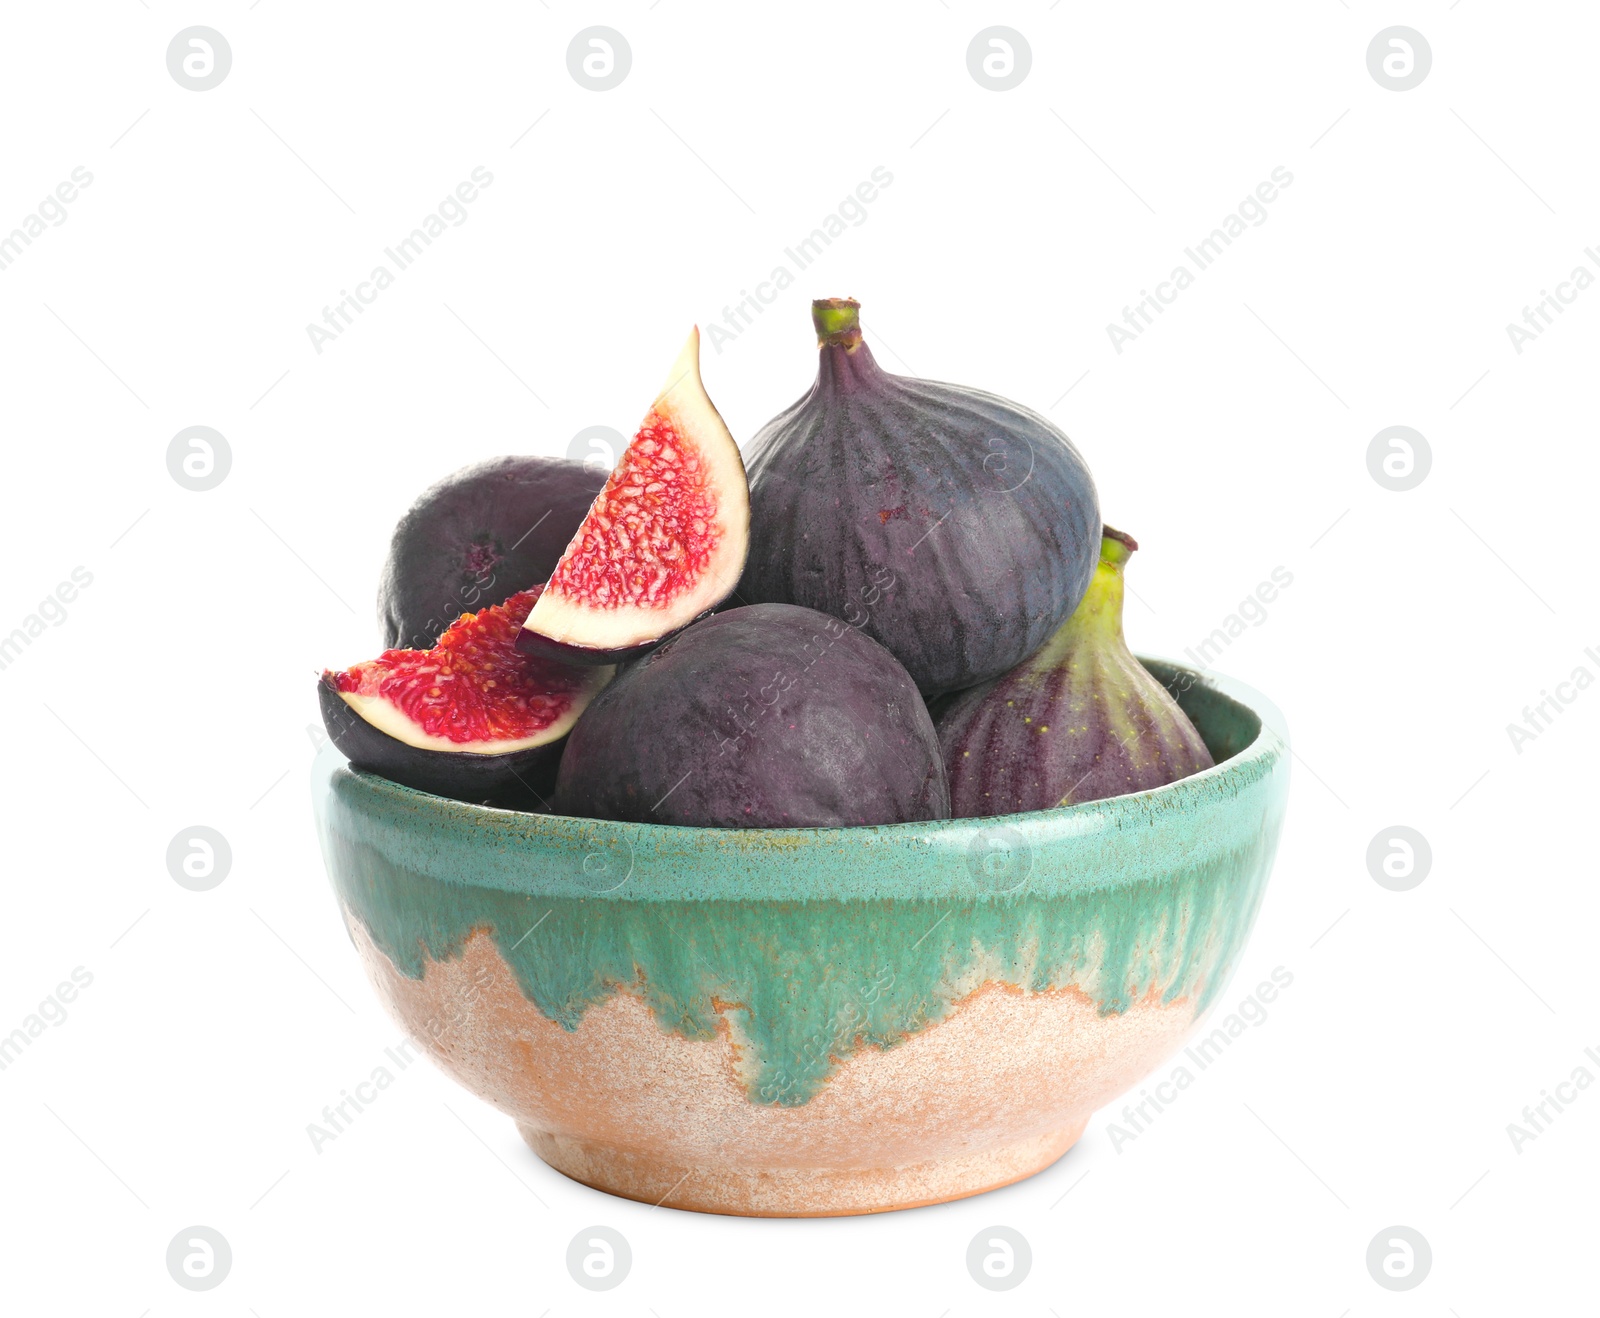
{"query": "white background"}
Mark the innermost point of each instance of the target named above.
(1230, 438)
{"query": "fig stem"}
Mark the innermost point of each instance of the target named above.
(1116, 546)
(838, 322)
(1101, 608)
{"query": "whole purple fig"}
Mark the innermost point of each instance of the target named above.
(956, 528)
(1079, 721)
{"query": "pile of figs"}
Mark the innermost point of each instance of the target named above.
(690, 641)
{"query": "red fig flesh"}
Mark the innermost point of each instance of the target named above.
(664, 541)
(471, 718)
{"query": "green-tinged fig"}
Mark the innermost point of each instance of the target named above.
(1079, 721)
(954, 527)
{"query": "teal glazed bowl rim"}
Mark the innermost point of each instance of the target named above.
(559, 856)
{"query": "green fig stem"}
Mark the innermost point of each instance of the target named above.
(838, 322)
(1116, 546)
(1101, 609)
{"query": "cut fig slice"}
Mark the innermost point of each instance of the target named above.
(471, 719)
(664, 542)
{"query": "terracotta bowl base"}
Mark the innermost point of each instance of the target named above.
(797, 1191)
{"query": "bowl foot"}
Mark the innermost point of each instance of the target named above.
(796, 1191)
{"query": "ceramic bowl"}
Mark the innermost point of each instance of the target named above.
(800, 1022)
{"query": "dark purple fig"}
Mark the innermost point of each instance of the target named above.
(1079, 721)
(762, 717)
(664, 541)
(956, 528)
(471, 719)
(476, 538)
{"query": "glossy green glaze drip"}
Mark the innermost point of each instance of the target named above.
(817, 943)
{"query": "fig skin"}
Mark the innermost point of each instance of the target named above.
(957, 528)
(1080, 721)
(517, 780)
(476, 538)
(769, 716)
